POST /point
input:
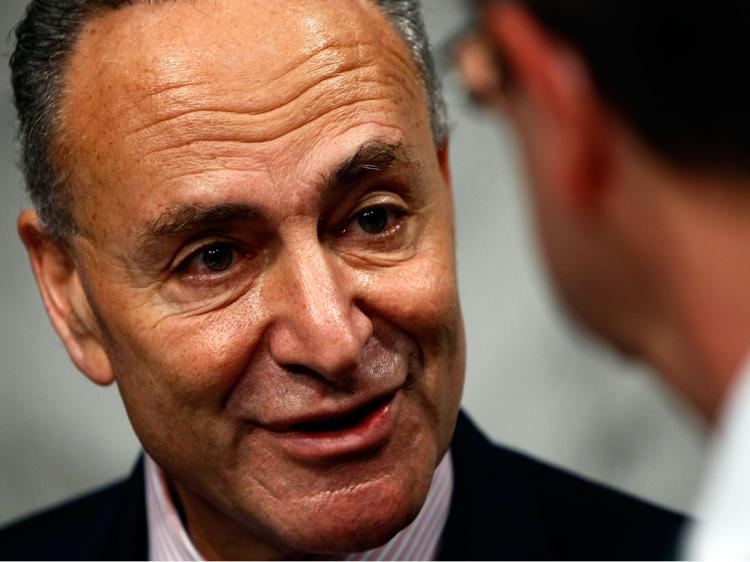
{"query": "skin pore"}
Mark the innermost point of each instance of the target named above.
(265, 235)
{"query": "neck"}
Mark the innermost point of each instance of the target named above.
(702, 334)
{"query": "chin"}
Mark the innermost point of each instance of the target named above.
(366, 517)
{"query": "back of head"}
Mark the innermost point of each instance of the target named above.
(674, 70)
(637, 241)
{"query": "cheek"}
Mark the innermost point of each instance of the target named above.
(174, 378)
(424, 302)
(420, 295)
(421, 299)
(178, 362)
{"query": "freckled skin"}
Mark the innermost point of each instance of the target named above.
(251, 103)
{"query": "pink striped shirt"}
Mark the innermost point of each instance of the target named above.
(168, 539)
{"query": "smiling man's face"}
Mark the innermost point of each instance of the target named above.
(265, 245)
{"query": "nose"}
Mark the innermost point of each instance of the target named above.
(317, 323)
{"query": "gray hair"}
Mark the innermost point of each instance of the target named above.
(45, 39)
(406, 18)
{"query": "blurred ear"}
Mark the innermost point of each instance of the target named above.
(443, 155)
(64, 299)
(555, 103)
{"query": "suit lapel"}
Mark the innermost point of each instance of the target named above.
(131, 540)
(494, 513)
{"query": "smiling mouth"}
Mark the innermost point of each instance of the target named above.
(345, 422)
(315, 438)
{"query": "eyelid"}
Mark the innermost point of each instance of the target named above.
(388, 200)
(381, 197)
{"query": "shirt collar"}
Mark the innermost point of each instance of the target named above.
(722, 532)
(168, 539)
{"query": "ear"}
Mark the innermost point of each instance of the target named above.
(555, 102)
(64, 299)
(443, 156)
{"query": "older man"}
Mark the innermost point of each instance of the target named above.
(244, 219)
(634, 122)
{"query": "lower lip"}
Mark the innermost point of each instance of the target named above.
(369, 434)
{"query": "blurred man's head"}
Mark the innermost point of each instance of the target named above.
(636, 135)
(244, 220)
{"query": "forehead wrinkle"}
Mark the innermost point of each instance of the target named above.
(235, 126)
(201, 169)
(354, 73)
(169, 85)
(225, 139)
(164, 63)
(385, 71)
(216, 111)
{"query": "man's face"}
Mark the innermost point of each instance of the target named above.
(266, 242)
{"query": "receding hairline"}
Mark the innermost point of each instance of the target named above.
(45, 39)
(65, 141)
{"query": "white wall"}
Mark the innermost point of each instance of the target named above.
(533, 382)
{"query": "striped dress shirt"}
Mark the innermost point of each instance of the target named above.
(168, 539)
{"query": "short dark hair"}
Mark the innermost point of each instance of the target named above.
(675, 69)
(45, 39)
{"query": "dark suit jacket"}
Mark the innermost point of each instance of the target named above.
(505, 506)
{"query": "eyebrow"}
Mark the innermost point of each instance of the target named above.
(372, 158)
(190, 217)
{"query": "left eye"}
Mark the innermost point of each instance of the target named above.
(218, 257)
(374, 220)
(214, 258)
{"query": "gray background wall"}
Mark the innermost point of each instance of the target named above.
(533, 382)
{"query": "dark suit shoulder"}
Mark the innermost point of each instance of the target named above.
(107, 524)
(562, 489)
(584, 519)
(510, 505)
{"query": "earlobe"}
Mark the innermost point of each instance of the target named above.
(64, 299)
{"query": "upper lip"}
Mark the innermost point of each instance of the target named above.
(292, 423)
